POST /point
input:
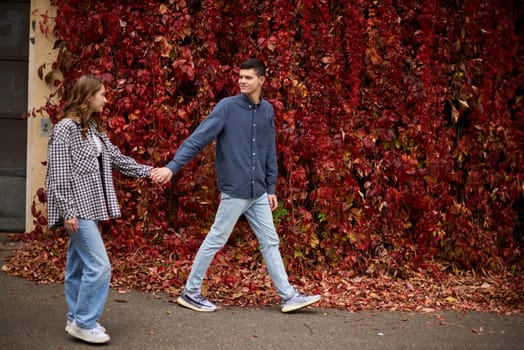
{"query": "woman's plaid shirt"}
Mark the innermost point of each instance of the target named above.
(75, 184)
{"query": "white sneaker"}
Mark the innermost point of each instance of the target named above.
(298, 301)
(98, 325)
(93, 335)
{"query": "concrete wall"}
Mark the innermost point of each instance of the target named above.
(40, 52)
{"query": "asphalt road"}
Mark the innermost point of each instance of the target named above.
(32, 316)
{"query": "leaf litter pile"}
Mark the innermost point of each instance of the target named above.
(231, 281)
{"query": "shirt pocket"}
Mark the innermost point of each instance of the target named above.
(264, 134)
(84, 160)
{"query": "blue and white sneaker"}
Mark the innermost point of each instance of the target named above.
(299, 301)
(196, 302)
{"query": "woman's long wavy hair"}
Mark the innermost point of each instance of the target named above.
(77, 106)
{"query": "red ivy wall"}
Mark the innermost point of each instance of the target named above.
(400, 123)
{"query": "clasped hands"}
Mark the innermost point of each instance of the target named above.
(161, 175)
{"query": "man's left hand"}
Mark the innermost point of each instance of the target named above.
(273, 201)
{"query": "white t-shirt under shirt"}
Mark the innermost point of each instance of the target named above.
(98, 144)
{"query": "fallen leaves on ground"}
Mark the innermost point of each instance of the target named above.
(232, 283)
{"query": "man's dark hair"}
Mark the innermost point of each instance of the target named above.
(256, 64)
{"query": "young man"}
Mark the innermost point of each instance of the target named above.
(246, 165)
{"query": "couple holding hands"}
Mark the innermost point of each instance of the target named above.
(80, 192)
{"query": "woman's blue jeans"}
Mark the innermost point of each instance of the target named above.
(260, 218)
(87, 276)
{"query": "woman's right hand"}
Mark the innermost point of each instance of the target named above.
(71, 225)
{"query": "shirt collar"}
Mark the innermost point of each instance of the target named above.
(250, 103)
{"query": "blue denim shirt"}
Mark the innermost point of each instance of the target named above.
(246, 160)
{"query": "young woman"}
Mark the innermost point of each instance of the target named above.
(80, 192)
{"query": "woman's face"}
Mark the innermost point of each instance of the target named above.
(98, 101)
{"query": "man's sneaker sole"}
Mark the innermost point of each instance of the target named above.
(180, 300)
(298, 306)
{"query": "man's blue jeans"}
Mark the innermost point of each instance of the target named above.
(258, 214)
(87, 276)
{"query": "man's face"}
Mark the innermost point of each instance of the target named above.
(249, 82)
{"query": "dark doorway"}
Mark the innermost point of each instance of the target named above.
(14, 53)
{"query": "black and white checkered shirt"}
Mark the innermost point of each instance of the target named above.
(75, 184)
